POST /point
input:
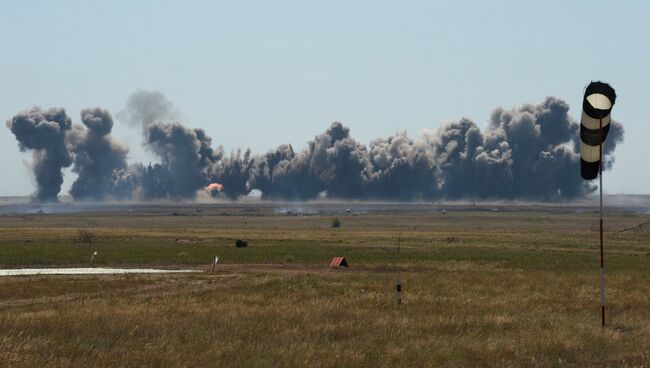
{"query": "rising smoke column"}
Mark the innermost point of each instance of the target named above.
(186, 164)
(44, 132)
(339, 162)
(97, 157)
(540, 137)
(333, 162)
(284, 174)
(472, 164)
(455, 146)
(524, 153)
(528, 152)
(187, 157)
(233, 173)
(402, 169)
(543, 139)
(266, 170)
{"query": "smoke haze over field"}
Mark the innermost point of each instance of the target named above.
(529, 152)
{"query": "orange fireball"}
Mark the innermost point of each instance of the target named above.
(214, 186)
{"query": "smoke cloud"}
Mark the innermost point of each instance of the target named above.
(234, 172)
(96, 156)
(529, 152)
(147, 107)
(187, 161)
(333, 162)
(402, 168)
(44, 132)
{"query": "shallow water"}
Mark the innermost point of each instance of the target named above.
(84, 271)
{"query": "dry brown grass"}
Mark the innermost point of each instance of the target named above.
(514, 290)
(456, 317)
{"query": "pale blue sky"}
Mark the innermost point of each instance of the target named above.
(260, 73)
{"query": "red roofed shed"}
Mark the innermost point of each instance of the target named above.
(338, 262)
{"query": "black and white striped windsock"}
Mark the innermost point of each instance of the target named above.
(596, 107)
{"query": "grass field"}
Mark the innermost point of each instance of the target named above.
(518, 287)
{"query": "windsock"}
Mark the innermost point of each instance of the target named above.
(596, 110)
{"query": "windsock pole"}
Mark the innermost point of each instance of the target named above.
(595, 123)
(602, 251)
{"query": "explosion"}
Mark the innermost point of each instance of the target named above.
(214, 187)
(529, 152)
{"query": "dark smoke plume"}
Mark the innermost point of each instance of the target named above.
(186, 156)
(187, 161)
(234, 172)
(529, 153)
(614, 137)
(333, 162)
(401, 168)
(96, 156)
(283, 174)
(542, 141)
(44, 132)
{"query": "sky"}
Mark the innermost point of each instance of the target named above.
(256, 74)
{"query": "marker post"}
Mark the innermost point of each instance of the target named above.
(398, 287)
(214, 263)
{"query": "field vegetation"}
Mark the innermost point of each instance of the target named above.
(516, 287)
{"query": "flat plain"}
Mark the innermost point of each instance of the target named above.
(501, 286)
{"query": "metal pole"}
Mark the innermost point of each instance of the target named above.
(398, 287)
(602, 252)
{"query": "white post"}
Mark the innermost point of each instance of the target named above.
(214, 263)
(92, 259)
(398, 288)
